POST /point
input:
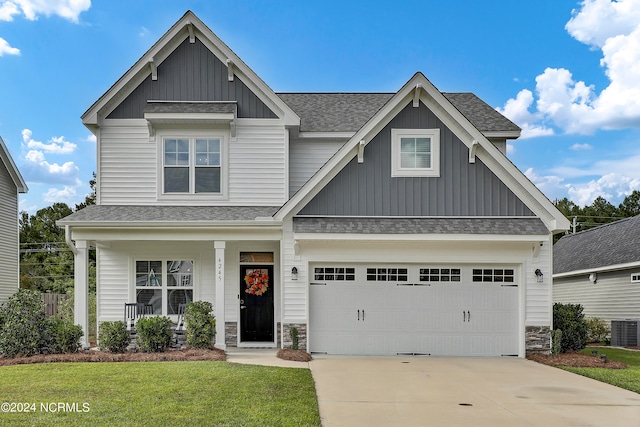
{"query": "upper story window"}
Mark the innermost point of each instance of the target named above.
(192, 165)
(415, 152)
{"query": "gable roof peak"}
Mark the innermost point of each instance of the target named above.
(189, 25)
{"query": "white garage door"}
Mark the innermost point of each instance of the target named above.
(443, 311)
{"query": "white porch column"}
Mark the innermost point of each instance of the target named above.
(81, 290)
(219, 247)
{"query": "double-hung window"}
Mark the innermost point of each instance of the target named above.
(164, 284)
(415, 152)
(192, 165)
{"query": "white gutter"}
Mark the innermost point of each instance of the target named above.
(598, 269)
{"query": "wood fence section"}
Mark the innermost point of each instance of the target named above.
(52, 302)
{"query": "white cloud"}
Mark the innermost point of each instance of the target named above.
(517, 110)
(613, 27)
(6, 48)
(550, 185)
(92, 138)
(56, 145)
(38, 169)
(53, 195)
(612, 186)
(67, 9)
(581, 147)
(143, 32)
(7, 10)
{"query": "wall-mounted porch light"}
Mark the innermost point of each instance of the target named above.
(539, 276)
(294, 273)
(593, 277)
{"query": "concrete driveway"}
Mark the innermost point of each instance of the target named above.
(420, 391)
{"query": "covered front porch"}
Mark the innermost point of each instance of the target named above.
(233, 263)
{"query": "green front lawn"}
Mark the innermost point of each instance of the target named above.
(158, 394)
(625, 378)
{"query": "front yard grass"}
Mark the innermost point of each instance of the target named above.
(158, 394)
(625, 378)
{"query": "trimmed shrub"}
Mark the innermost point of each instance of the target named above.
(293, 333)
(570, 320)
(154, 333)
(64, 336)
(201, 324)
(556, 342)
(114, 336)
(598, 329)
(24, 328)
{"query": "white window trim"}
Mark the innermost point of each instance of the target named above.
(397, 171)
(635, 277)
(192, 135)
(164, 288)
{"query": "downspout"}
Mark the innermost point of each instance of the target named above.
(67, 237)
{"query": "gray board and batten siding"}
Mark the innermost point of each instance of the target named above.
(192, 73)
(462, 189)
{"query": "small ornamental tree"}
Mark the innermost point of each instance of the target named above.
(201, 324)
(24, 329)
(570, 320)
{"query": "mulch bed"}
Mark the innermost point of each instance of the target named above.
(103, 356)
(294, 355)
(575, 360)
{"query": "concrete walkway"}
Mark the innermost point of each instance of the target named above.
(423, 391)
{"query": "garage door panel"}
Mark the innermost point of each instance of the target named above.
(444, 318)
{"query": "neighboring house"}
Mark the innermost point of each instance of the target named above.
(11, 184)
(374, 223)
(599, 268)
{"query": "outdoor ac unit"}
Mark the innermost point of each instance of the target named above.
(625, 333)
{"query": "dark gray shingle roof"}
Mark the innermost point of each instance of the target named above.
(190, 107)
(363, 225)
(610, 244)
(170, 214)
(348, 112)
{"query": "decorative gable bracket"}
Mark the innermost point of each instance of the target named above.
(229, 70)
(192, 36)
(154, 69)
(416, 95)
(472, 151)
(361, 151)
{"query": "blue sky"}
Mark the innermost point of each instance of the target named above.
(567, 72)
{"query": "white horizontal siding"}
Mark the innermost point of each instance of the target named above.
(306, 158)
(255, 172)
(538, 295)
(112, 283)
(257, 165)
(9, 246)
(613, 296)
(128, 164)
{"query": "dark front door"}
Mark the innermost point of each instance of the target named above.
(256, 303)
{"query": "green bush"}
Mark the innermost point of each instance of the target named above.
(24, 328)
(154, 333)
(293, 333)
(114, 336)
(598, 329)
(570, 320)
(556, 342)
(201, 324)
(64, 336)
